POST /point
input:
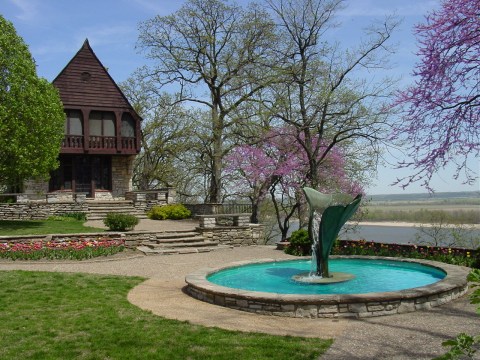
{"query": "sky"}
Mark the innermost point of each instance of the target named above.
(55, 30)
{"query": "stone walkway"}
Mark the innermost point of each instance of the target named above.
(415, 335)
(154, 225)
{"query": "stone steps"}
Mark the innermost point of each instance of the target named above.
(177, 242)
(147, 251)
(99, 210)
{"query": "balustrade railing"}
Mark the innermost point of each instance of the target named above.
(98, 142)
(128, 143)
(102, 142)
(72, 142)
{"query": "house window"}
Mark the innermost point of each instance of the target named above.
(73, 123)
(101, 123)
(128, 125)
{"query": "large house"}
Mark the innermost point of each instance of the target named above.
(102, 133)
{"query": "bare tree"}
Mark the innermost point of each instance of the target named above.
(166, 137)
(323, 95)
(212, 51)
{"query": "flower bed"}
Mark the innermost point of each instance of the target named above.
(455, 256)
(78, 249)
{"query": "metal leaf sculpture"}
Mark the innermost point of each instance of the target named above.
(333, 218)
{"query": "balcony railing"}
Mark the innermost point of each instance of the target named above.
(75, 142)
(102, 142)
(72, 142)
(128, 143)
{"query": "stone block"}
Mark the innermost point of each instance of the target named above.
(288, 307)
(220, 300)
(423, 306)
(421, 300)
(242, 303)
(378, 307)
(357, 308)
(324, 309)
(306, 311)
(406, 306)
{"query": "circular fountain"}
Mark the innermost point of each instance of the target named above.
(357, 286)
(330, 300)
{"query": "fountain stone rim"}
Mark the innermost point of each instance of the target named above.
(449, 288)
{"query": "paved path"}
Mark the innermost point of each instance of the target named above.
(407, 336)
(154, 225)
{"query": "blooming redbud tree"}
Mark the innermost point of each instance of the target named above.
(277, 166)
(442, 109)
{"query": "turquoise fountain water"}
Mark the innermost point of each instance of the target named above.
(369, 276)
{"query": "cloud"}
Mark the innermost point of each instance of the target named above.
(28, 9)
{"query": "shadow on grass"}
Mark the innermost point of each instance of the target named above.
(43, 227)
(9, 225)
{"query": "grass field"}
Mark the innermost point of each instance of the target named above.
(43, 227)
(77, 316)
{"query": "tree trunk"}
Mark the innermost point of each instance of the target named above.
(254, 216)
(214, 194)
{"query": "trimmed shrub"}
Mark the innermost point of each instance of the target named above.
(120, 222)
(300, 243)
(171, 211)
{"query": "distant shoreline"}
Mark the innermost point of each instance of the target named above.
(408, 224)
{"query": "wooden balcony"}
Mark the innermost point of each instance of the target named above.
(74, 144)
(102, 142)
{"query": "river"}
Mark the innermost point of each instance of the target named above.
(397, 234)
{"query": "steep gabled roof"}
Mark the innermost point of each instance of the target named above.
(86, 82)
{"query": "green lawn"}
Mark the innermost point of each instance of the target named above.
(41, 227)
(67, 316)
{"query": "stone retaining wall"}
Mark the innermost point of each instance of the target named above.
(252, 234)
(40, 210)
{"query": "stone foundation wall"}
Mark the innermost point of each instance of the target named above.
(122, 173)
(35, 186)
(38, 211)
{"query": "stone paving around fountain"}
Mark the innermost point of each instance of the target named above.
(415, 335)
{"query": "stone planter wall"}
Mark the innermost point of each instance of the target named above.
(132, 238)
